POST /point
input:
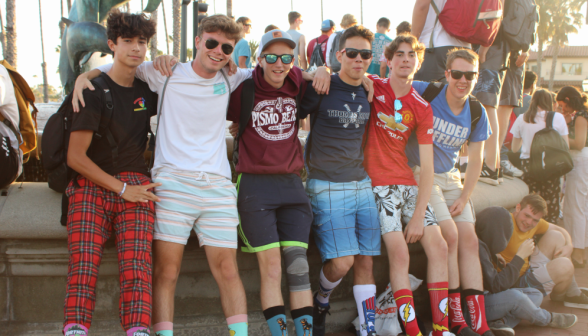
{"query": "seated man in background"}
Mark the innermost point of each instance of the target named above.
(506, 306)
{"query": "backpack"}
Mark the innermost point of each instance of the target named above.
(472, 21)
(520, 22)
(316, 58)
(550, 154)
(26, 133)
(247, 105)
(433, 90)
(55, 141)
(335, 65)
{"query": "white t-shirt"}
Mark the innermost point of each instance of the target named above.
(191, 132)
(329, 45)
(440, 37)
(9, 109)
(526, 131)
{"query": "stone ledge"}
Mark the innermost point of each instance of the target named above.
(33, 210)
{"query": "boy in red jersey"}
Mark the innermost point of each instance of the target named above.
(404, 213)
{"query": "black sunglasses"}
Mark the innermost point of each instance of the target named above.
(212, 43)
(469, 75)
(366, 54)
(273, 58)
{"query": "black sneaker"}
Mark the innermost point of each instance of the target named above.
(580, 301)
(319, 315)
(489, 333)
(500, 175)
(488, 176)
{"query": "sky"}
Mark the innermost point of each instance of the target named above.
(261, 12)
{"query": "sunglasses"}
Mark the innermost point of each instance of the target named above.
(273, 58)
(226, 48)
(247, 24)
(397, 107)
(469, 75)
(366, 54)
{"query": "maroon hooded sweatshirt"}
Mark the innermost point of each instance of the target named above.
(269, 144)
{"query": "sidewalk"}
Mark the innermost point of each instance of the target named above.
(525, 329)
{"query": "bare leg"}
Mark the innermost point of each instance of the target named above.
(470, 270)
(436, 250)
(491, 145)
(561, 270)
(450, 234)
(363, 273)
(223, 265)
(504, 113)
(270, 268)
(398, 258)
(167, 260)
(337, 268)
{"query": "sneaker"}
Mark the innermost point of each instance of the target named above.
(462, 170)
(488, 176)
(562, 321)
(500, 175)
(319, 315)
(500, 329)
(509, 166)
(509, 174)
(489, 333)
(580, 301)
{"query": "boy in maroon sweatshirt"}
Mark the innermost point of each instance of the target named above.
(273, 207)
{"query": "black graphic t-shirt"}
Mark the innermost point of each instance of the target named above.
(336, 153)
(572, 125)
(133, 108)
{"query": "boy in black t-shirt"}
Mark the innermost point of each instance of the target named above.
(111, 194)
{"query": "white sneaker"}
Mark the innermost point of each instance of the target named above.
(516, 171)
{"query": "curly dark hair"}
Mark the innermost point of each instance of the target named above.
(354, 31)
(123, 24)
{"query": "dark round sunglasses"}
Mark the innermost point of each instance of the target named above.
(212, 43)
(366, 54)
(469, 75)
(273, 58)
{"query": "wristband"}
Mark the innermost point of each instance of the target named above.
(123, 190)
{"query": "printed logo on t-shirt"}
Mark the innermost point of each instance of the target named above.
(381, 98)
(353, 95)
(449, 135)
(350, 117)
(141, 103)
(219, 88)
(389, 122)
(275, 119)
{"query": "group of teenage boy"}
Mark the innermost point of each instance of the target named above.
(368, 180)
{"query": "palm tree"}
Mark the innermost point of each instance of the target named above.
(565, 20)
(2, 36)
(165, 26)
(177, 9)
(153, 41)
(545, 9)
(11, 53)
(230, 8)
(43, 65)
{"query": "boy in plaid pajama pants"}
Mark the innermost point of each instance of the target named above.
(111, 193)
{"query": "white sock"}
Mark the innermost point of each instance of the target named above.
(365, 299)
(325, 289)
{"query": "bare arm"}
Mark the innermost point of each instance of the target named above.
(242, 62)
(516, 144)
(302, 52)
(82, 82)
(475, 150)
(78, 160)
(414, 229)
(419, 16)
(383, 67)
(580, 141)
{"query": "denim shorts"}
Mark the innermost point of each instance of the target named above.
(345, 218)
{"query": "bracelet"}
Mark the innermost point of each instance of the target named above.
(123, 190)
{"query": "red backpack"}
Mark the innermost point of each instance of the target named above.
(472, 21)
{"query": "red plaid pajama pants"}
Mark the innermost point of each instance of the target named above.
(94, 213)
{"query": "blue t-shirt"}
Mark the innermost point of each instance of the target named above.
(336, 154)
(242, 49)
(450, 131)
(378, 45)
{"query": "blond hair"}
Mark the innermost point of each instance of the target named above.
(348, 20)
(465, 54)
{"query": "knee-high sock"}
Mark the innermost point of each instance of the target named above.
(405, 304)
(365, 299)
(276, 320)
(237, 325)
(325, 289)
(439, 309)
(302, 321)
(455, 312)
(475, 300)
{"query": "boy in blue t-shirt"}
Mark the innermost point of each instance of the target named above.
(381, 40)
(450, 198)
(242, 53)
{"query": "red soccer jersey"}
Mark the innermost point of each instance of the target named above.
(384, 157)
